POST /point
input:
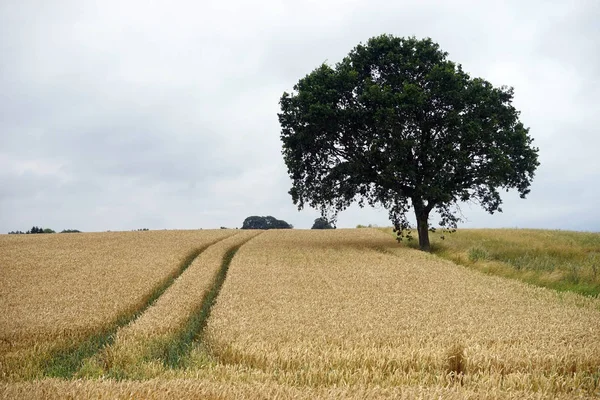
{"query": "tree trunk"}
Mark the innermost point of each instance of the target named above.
(422, 215)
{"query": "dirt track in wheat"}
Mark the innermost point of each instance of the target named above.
(342, 314)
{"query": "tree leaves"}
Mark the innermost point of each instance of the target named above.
(397, 124)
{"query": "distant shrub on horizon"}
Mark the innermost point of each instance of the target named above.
(268, 222)
(322, 223)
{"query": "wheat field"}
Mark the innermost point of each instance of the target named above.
(58, 289)
(209, 389)
(139, 344)
(325, 309)
(300, 314)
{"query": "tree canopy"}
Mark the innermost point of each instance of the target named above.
(35, 230)
(268, 222)
(396, 124)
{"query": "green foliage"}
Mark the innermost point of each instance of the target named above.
(322, 223)
(397, 124)
(70, 231)
(478, 253)
(35, 230)
(16, 233)
(269, 222)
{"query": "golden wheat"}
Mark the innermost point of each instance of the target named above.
(60, 288)
(316, 309)
(208, 389)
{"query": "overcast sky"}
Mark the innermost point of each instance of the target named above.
(118, 115)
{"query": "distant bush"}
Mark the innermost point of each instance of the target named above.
(322, 223)
(36, 229)
(367, 226)
(142, 229)
(268, 222)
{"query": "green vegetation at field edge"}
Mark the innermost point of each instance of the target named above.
(560, 260)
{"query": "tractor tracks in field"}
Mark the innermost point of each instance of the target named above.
(179, 348)
(66, 361)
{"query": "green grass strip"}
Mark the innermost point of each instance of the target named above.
(178, 348)
(65, 362)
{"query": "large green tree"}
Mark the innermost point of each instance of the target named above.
(397, 124)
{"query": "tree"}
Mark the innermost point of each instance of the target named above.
(397, 124)
(269, 222)
(322, 223)
(36, 229)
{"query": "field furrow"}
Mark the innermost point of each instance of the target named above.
(164, 332)
(63, 295)
(335, 308)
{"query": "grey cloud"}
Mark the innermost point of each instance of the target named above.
(121, 115)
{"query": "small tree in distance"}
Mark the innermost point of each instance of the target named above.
(268, 222)
(396, 124)
(322, 223)
(35, 230)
